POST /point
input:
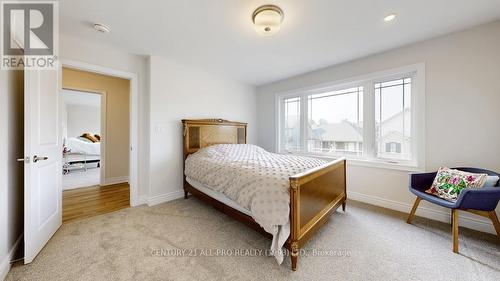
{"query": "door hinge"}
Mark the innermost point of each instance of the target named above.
(25, 160)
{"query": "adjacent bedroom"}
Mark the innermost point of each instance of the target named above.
(81, 139)
(95, 122)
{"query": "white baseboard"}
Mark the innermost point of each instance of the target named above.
(143, 199)
(5, 265)
(425, 212)
(115, 180)
(155, 200)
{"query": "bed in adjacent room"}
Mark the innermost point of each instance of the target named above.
(80, 149)
(81, 163)
(283, 196)
(79, 145)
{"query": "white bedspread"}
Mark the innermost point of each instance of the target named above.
(254, 178)
(78, 146)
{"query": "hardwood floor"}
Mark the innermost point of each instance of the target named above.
(96, 200)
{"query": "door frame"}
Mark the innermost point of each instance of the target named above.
(134, 116)
(103, 125)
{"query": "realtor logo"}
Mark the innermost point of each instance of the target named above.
(29, 35)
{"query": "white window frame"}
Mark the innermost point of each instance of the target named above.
(281, 132)
(369, 158)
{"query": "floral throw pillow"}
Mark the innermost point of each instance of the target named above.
(449, 183)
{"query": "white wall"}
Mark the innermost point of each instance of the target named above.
(83, 119)
(11, 171)
(183, 92)
(64, 121)
(73, 48)
(462, 112)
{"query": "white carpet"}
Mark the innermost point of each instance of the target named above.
(77, 179)
(189, 240)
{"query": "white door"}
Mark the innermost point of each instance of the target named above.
(42, 168)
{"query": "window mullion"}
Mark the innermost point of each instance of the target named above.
(304, 122)
(415, 121)
(368, 120)
(281, 141)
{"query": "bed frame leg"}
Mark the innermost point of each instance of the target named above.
(186, 194)
(343, 206)
(294, 255)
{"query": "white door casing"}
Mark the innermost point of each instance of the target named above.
(42, 178)
(134, 120)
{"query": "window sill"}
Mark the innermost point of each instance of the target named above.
(383, 165)
(380, 164)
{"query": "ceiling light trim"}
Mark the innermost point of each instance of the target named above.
(267, 20)
(268, 8)
(102, 28)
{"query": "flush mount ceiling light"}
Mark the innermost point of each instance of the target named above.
(101, 28)
(390, 17)
(267, 19)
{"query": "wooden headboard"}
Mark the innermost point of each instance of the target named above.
(205, 132)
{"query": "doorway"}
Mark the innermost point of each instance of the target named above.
(96, 138)
(43, 155)
(83, 117)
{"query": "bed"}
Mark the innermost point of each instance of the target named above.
(79, 146)
(81, 151)
(312, 194)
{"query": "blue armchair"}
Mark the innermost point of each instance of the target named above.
(482, 201)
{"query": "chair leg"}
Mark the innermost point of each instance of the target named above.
(454, 215)
(413, 210)
(494, 219)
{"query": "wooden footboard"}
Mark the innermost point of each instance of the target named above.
(314, 195)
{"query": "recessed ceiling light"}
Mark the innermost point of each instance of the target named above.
(390, 17)
(267, 19)
(101, 28)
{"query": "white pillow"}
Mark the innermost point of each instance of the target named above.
(491, 181)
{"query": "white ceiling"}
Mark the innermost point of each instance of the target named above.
(218, 36)
(71, 97)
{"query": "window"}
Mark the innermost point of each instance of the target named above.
(393, 119)
(335, 122)
(393, 147)
(291, 134)
(374, 119)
